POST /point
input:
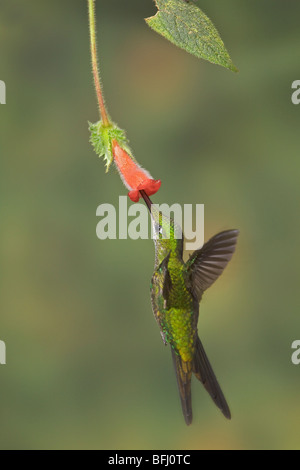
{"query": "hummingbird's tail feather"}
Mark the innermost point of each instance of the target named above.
(184, 376)
(204, 372)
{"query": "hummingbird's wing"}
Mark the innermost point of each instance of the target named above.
(204, 372)
(183, 372)
(160, 287)
(208, 263)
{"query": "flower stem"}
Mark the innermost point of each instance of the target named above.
(92, 21)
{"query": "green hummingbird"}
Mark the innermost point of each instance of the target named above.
(176, 291)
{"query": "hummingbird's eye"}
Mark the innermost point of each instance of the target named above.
(158, 229)
(160, 232)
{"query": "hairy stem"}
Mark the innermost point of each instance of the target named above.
(96, 74)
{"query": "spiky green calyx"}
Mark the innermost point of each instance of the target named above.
(101, 139)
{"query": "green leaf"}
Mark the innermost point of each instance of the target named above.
(186, 26)
(101, 139)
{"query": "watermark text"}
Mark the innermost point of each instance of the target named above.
(296, 354)
(296, 94)
(2, 92)
(2, 353)
(133, 222)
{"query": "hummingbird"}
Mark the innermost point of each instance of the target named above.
(177, 288)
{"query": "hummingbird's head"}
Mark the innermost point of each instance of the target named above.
(164, 226)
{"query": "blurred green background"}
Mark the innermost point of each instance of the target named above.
(86, 367)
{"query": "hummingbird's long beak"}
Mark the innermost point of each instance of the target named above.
(146, 199)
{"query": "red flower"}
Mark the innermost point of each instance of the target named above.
(134, 177)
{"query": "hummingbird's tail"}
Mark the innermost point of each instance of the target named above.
(203, 371)
(183, 372)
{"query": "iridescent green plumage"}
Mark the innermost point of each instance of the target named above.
(176, 290)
